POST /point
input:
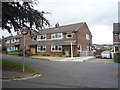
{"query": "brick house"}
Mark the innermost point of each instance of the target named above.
(16, 42)
(116, 36)
(62, 40)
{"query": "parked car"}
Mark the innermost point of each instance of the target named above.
(12, 50)
(106, 54)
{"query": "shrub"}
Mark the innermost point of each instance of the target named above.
(117, 57)
(42, 54)
(59, 55)
(12, 53)
(28, 54)
(36, 54)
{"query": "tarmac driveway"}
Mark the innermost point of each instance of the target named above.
(67, 75)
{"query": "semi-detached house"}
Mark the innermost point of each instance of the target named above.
(62, 40)
(116, 37)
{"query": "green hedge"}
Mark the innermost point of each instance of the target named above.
(12, 53)
(42, 54)
(19, 54)
(117, 57)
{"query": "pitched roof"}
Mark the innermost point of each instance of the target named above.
(64, 28)
(11, 37)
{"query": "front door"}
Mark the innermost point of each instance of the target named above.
(67, 51)
(32, 50)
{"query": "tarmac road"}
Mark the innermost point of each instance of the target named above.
(67, 74)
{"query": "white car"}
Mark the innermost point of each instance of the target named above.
(106, 54)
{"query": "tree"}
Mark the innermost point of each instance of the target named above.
(15, 15)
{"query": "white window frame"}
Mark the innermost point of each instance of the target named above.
(33, 38)
(39, 49)
(17, 40)
(79, 48)
(57, 36)
(87, 37)
(119, 35)
(12, 40)
(39, 37)
(69, 34)
(7, 41)
(56, 50)
(87, 48)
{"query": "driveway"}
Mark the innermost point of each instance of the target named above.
(67, 74)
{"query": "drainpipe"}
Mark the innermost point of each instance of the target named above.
(71, 51)
(114, 49)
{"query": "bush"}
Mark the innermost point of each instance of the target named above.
(12, 53)
(117, 57)
(42, 54)
(28, 54)
(59, 55)
(36, 54)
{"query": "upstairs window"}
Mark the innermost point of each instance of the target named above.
(34, 38)
(12, 40)
(56, 48)
(17, 39)
(8, 41)
(87, 37)
(41, 48)
(41, 37)
(69, 35)
(57, 36)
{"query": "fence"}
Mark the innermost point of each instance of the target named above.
(86, 53)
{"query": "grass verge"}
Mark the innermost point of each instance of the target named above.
(15, 66)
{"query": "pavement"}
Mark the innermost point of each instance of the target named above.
(71, 59)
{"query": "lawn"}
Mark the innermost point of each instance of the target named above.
(15, 66)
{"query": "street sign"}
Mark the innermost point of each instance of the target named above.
(24, 30)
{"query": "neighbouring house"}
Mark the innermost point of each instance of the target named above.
(116, 37)
(16, 42)
(101, 47)
(65, 40)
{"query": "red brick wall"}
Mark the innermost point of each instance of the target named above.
(81, 37)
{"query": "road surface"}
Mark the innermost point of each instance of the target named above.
(67, 74)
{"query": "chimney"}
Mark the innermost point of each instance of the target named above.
(2, 37)
(18, 32)
(56, 25)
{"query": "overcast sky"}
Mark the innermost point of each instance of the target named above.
(98, 14)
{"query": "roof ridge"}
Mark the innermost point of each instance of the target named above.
(64, 26)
